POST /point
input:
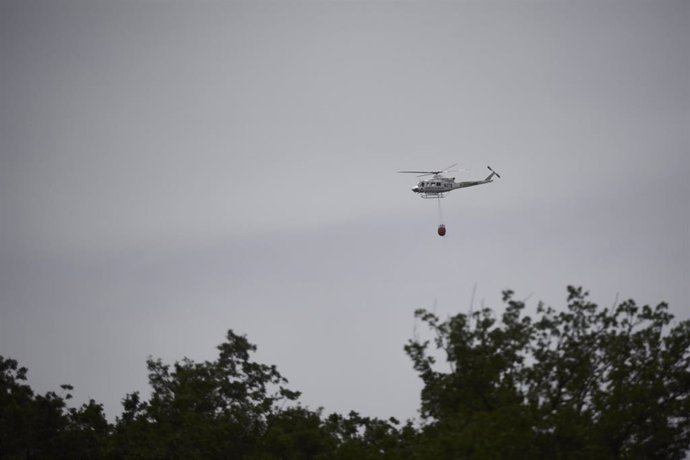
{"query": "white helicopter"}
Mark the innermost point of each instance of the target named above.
(439, 185)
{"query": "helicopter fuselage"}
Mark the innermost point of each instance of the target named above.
(438, 186)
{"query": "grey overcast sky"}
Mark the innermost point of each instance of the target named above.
(170, 170)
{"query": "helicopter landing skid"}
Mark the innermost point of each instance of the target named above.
(429, 196)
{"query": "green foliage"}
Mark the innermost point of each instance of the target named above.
(368, 438)
(229, 408)
(296, 433)
(216, 409)
(586, 383)
(582, 383)
(40, 426)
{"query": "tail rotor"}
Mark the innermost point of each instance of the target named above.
(494, 172)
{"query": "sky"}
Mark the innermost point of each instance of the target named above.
(170, 170)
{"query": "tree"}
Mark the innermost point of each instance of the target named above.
(28, 425)
(582, 383)
(228, 408)
(41, 426)
(86, 433)
(213, 409)
(586, 383)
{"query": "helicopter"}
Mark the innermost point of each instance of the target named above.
(439, 185)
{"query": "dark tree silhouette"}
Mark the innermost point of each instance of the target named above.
(227, 409)
(213, 409)
(584, 383)
(41, 427)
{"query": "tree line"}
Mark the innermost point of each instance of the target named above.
(584, 382)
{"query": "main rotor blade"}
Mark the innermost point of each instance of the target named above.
(428, 173)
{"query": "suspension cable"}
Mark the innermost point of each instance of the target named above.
(440, 212)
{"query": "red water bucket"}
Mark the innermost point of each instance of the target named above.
(441, 230)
